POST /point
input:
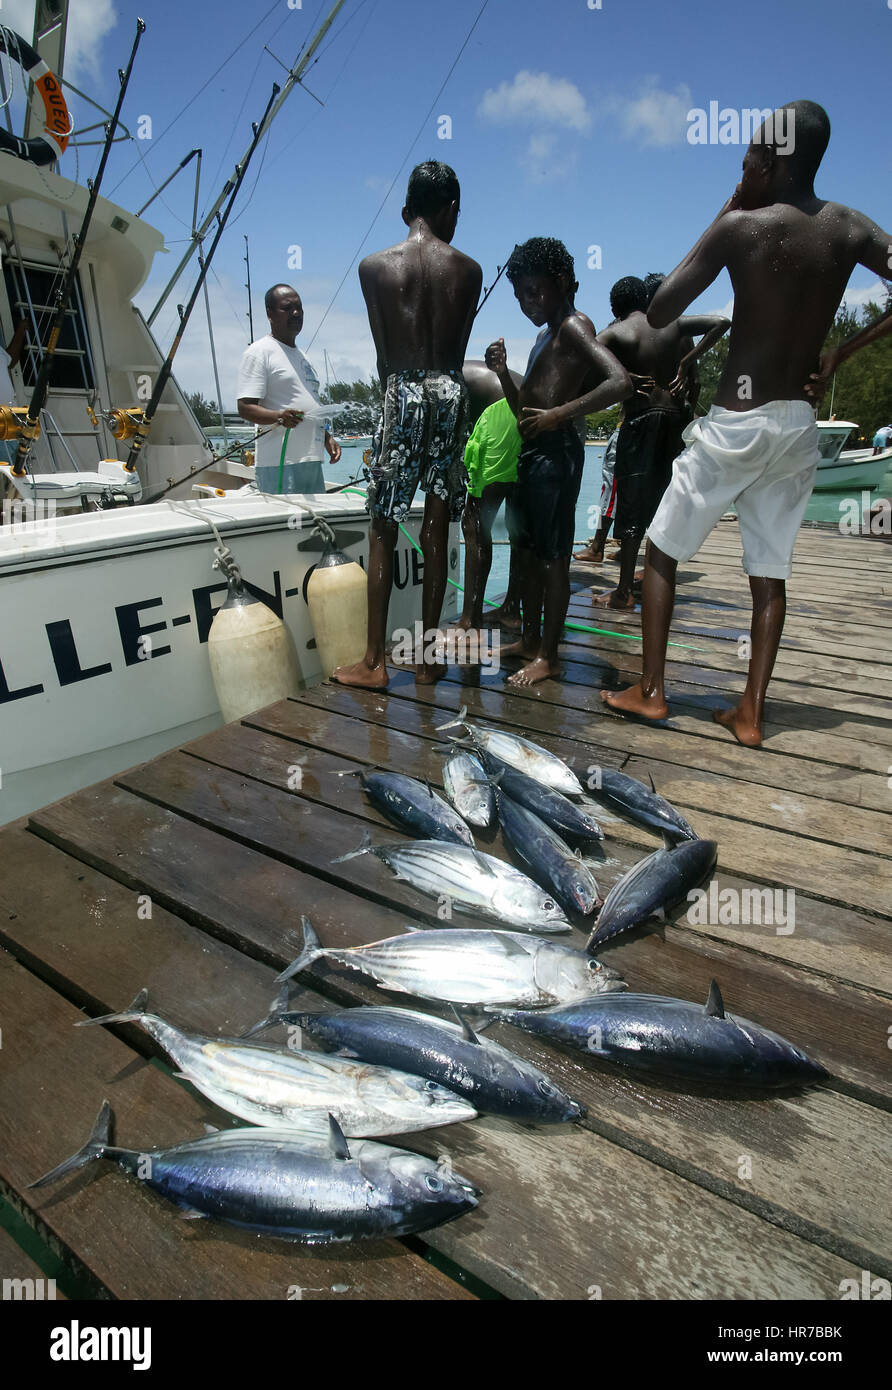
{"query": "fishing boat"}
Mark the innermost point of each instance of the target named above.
(847, 468)
(108, 604)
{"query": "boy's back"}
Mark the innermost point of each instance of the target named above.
(421, 296)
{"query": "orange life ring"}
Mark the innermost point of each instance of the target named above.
(46, 148)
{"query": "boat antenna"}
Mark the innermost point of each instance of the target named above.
(288, 85)
(31, 425)
(248, 288)
(164, 374)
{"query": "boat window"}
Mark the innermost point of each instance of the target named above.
(35, 290)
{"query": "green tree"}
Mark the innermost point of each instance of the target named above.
(205, 412)
(862, 389)
(603, 421)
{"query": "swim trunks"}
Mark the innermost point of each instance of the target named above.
(541, 512)
(420, 439)
(492, 450)
(647, 445)
(763, 462)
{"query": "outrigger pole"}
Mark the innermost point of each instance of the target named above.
(31, 425)
(142, 429)
(288, 85)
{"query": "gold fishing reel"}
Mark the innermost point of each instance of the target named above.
(124, 421)
(12, 418)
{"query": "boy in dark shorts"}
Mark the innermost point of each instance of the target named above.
(569, 374)
(421, 296)
(789, 254)
(659, 361)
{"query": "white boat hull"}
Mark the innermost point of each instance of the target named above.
(103, 646)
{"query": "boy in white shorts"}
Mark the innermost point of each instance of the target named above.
(789, 254)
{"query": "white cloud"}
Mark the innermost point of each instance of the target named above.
(89, 21)
(540, 161)
(857, 298)
(654, 117)
(536, 98)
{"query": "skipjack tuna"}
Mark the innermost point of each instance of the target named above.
(494, 1080)
(469, 790)
(278, 1183)
(521, 753)
(564, 816)
(471, 966)
(275, 1086)
(653, 884)
(414, 806)
(550, 861)
(469, 880)
(640, 803)
(673, 1037)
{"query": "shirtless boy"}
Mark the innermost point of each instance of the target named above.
(421, 296)
(789, 254)
(569, 374)
(659, 361)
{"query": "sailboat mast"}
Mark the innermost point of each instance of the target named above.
(288, 86)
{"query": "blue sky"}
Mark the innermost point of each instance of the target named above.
(566, 121)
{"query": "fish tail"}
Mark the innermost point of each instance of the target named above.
(277, 1011)
(451, 723)
(96, 1147)
(132, 1014)
(364, 848)
(312, 949)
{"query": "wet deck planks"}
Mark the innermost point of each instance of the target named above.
(662, 1192)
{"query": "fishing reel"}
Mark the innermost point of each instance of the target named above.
(124, 421)
(12, 419)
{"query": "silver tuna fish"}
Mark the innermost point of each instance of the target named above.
(469, 789)
(521, 753)
(469, 880)
(473, 966)
(552, 863)
(654, 884)
(494, 1080)
(414, 806)
(279, 1087)
(277, 1183)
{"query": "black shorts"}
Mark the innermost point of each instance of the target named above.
(646, 448)
(541, 514)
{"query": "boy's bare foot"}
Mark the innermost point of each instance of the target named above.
(634, 701)
(429, 674)
(519, 649)
(465, 624)
(614, 599)
(536, 670)
(502, 617)
(362, 674)
(589, 555)
(741, 726)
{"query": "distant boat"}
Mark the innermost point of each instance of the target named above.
(839, 468)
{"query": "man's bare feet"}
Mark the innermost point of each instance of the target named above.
(634, 701)
(519, 649)
(614, 599)
(464, 623)
(361, 674)
(502, 617)
(536, 670)
(589, 555)
(429, 674)
(741, 726)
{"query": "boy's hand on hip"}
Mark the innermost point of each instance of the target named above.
(534, 422)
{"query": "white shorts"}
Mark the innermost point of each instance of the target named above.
(762, 462)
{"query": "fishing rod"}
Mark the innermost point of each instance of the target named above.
(501, 269)
(31, 425)
(292, 80)
(142, 429)
(248, 288)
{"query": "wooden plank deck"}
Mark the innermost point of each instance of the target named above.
(663, 1192)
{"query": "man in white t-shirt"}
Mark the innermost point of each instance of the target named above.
(278, 387)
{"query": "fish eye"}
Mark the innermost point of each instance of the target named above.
(594, 966)
(545, 1089)
(433, 1184)
(430, 1086)
(548, 904)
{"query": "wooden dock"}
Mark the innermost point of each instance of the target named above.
(189, 875)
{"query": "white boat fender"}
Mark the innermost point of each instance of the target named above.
(252, 655)
(338, 600)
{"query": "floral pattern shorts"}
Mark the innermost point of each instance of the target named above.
(420, 439)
